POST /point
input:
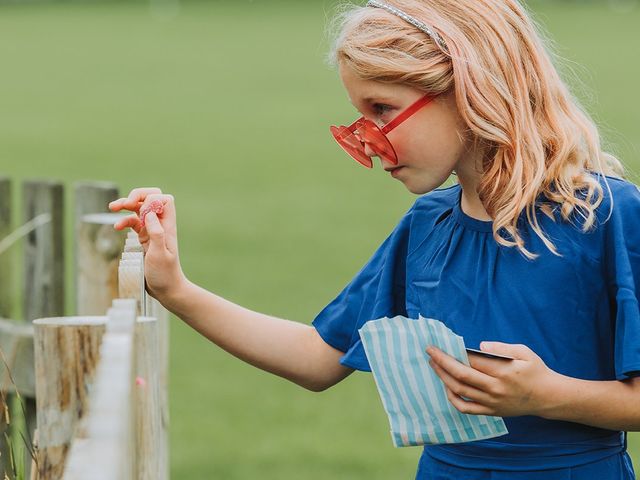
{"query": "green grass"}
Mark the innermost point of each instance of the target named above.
(227, 106)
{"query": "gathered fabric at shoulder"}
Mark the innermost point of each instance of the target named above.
(379, 288)
(376, 291)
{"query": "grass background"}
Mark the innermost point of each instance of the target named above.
(226, 105)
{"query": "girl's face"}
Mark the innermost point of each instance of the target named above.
(429, 145)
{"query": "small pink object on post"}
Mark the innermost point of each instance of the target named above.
(155, 206)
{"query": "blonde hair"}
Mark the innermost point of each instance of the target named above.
(538, 138)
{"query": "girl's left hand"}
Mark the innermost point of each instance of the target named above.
(496, 387)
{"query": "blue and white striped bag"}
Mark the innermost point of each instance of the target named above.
(412, 394)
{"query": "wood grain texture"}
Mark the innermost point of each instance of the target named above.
(67, 351)
(98, 253)
(97, 244)
(44, 251)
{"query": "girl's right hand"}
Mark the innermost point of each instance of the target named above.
(159, 238)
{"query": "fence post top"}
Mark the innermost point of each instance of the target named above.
(103, 218)
(72, 321)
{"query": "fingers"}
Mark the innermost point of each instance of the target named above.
(131, 221)
(517, 351)
(460, 371)
(458, 388)
(134, 200)
(139, 201)
(466, 406)
(157, 239)
(164, 220)
(490, 366)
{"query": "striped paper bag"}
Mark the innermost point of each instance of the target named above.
(412, 394)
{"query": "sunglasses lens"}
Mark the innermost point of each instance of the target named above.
(351, 144)
(377, 141)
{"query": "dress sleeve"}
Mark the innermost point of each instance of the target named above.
(623, 271)
(377, 290)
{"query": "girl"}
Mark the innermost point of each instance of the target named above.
(535, 248)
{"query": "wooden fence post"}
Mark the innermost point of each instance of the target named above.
(66, 356)
(107, 450)
(161, 314)
(44, 272)
(98, 252)
(98, 247)
(44, 251)
(149, 448)
(131, 279)
(132, 285)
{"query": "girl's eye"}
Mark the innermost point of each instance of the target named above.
(380, 108)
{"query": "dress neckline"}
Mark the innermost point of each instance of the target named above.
(469, 222)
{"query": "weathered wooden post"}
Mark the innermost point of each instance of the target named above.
(66, 356)
(44, 251)
(131, 277)
(98, 252)
(44, 268)
(105, 449)
(150, 432)
(154, 309)
(153, 439)
(161, 314)
(97, 249)
(93, 197)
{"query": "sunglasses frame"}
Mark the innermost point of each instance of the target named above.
(356, 149)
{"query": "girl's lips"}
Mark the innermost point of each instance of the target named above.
(394, 171)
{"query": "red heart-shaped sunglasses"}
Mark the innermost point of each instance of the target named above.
(363, 131)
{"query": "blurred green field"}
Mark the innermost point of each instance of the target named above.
(227, 106)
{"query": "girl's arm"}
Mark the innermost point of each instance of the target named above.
(526, 386)
(606, 404)
(288, 349)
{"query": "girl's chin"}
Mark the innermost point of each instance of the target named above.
(420, 188)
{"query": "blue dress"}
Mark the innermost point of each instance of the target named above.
(579, 312)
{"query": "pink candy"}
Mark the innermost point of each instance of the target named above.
(155, 206)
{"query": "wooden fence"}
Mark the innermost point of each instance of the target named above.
(96, 383)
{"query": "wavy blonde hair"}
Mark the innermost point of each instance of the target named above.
(538, 138)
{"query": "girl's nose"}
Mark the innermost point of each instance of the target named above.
(369, 152)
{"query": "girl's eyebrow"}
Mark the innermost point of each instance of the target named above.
(374, 99)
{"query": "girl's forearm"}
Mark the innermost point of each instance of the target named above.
(613, 405)
(283, 347)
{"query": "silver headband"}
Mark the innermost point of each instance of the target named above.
(413, 21)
